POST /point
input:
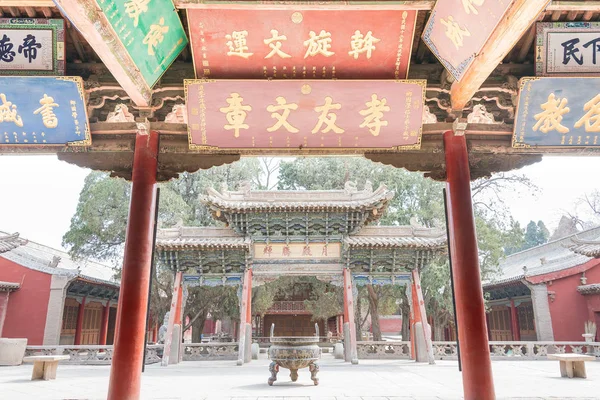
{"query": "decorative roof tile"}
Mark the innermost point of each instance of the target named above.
(589, 289)
(247, 200)
(549, 257)
(9, 242)
(589, 248)
(199, 238)
(398, 236)
(8, 286)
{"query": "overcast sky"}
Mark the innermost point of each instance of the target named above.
(38, 194)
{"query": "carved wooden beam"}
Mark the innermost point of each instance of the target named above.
(93, 25)
(425, 5)
(518, 19)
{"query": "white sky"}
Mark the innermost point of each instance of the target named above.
(39, 194)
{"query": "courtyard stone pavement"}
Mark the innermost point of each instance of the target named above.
(370, 380)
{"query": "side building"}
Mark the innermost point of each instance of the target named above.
(51, 299)
(549, 292)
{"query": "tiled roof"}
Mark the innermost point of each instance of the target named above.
(589, 248)
(398, 236)
(199, 238)
(589, 289)
(295, 200)
(53, 261)
(550, 257)
(8, 286)
(9, 242)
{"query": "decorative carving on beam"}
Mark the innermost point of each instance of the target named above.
(479, 115)
(178, 115)
(517, 20)
(120, 114)
(95, 28)
(428, 116)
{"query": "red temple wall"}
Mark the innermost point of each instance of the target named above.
(569, 309)
(391, 325)
(28, 306)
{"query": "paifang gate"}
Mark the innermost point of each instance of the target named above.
(125, 107)
(326, 234)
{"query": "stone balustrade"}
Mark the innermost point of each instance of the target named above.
(498, 350)
(210, 351)
(90, 354)
(383, 350)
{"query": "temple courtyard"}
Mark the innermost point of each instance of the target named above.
(371, 380)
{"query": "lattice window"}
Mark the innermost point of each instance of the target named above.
(69, 322)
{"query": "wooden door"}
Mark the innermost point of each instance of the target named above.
(500, 328)
(526, 322)
(92, 319)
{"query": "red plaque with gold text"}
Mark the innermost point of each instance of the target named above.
(301, 43)
(304, 114)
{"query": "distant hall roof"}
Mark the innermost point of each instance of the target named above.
(199, 238)
(550, 257)
(349, 199)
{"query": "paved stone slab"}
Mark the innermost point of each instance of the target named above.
(370, 380)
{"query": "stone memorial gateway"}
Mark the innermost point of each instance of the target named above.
(133, 58)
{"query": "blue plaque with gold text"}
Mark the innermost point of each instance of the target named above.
(558, 112)
(43, 111)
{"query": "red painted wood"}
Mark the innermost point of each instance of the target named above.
(478, 381)
(209, 103)
(172, 318)
(393, 30)
(249, 301)
(514, 321)
(125, 373)
(104, 325)
(178, 308)
(30, 300)
(79, 326)
(155, 333)
(3, 308)
(349, 313)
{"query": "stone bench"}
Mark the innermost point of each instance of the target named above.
(44, 367)
(572, 365)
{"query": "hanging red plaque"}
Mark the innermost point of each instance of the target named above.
(301, 43)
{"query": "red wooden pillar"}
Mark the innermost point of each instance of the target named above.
(104, 325)
(155, 333)
(514, 322)
(172, 319)
(349, 314)
(178, 307)
(125, 373)
(79, 326)
(246, 285)
(421, 315)
(478, 382)
(249, 299)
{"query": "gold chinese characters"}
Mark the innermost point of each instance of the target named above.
(373, 116)
(48, 116)
(10, 113)
(555, 108)
(316, 44)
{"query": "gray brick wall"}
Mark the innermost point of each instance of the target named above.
(541, 312)
(54, 314)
